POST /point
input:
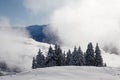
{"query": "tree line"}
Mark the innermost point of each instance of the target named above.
(55, 57)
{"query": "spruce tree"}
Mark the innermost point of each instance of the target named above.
(40, 59)
(98, 57)
(68, 57)
(63, 59)
(77, 57)
(81, 55)
(89, 56)
(73, 58)
(58, 55)
(34, 63)
(50, 59)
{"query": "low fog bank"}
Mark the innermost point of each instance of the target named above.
(17, 48)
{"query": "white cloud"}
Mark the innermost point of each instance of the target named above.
(38, 6)
(87, 21)
(13, 49)
(17, 49)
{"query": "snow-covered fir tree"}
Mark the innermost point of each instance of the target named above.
(34, 65)
(77, 57)
(40, 59)
(73, 58)
(57, 58)
(63, 59)
(50, 59)
(89, 56)
(81, 55)
(68, 57)
(98, 57)
(58, 55)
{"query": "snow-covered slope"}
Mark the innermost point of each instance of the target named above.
(17, 49)
(67, 73)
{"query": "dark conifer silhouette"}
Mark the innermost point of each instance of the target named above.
(98, 57)
(57, 58)
(63, 59)
(90, 59)
(68, 57)
(77, 57)
(50, 59)
(34, 63)
(81, 55)
(58, 55)
(40, 59)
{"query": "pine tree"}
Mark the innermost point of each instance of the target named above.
(50, 59)
(40, 59)
(68, 57)
(89, 56)
(98, 57)
(34, 63)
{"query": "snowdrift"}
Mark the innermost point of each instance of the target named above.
(67, 73)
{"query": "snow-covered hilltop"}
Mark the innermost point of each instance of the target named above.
(67, 73)
(19, 50)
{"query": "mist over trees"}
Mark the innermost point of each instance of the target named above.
(56, 57)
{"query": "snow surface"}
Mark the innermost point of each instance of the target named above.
(67, 73)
